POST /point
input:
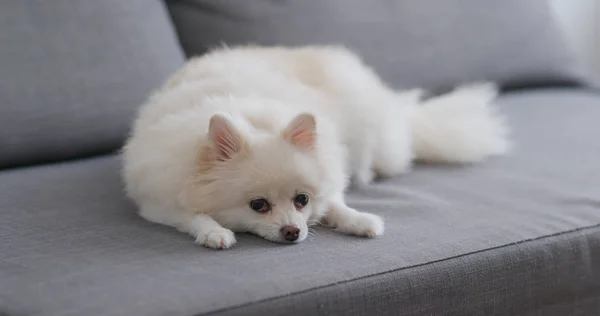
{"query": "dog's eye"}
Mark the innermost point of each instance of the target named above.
(301, 200)
(260, 205)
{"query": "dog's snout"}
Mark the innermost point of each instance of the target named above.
(290, 233)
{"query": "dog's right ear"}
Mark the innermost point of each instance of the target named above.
(224, 137)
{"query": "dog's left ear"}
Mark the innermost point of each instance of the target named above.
(302, 131)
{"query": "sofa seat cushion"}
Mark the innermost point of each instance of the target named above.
(517, 235)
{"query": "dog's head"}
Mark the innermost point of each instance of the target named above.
(269, 183)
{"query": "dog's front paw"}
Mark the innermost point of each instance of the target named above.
(364, 225)
(218, 239)
(369, 225)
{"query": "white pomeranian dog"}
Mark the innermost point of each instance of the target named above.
(266, 140)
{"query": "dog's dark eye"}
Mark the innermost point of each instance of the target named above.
(301, 200)
(260, 205)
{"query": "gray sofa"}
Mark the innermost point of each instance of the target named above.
(516, 235)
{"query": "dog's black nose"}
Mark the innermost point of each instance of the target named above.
(290, 233)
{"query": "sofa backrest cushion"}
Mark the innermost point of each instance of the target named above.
(425, 43)
(72, 74)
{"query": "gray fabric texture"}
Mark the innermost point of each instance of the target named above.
(73, 73)
(556, 275)
(426, 43)
(517, 235)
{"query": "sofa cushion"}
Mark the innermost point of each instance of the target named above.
(517, 235)
(427, 43)
(73, 73)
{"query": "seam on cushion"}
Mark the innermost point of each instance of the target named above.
(173, 31)
(58, 163)
(241, 306)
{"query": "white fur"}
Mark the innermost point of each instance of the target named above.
(271, 122)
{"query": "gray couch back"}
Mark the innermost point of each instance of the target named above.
(74, 72)
(425, 43)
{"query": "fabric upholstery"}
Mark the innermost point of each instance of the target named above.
(551, 276)
(426, 43)
(517, 235)
(73, 72)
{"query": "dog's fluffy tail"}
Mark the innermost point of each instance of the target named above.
(462, 126)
